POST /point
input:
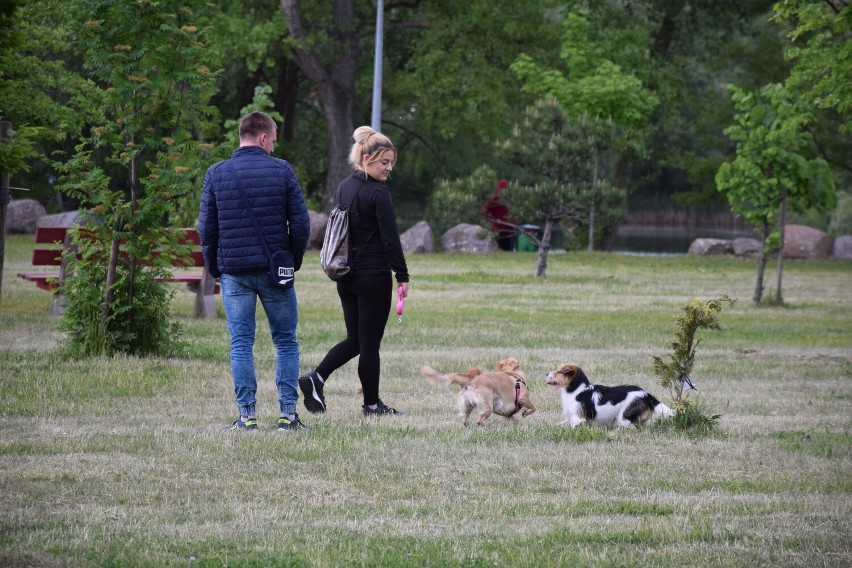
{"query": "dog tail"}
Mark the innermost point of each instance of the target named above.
(662, 411)
(447, 379)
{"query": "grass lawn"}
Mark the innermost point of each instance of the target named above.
(123, 462)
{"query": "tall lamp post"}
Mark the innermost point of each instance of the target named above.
(377, 68)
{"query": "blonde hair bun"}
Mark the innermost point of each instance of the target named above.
(362, 133)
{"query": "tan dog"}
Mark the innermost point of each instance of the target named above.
(503, 391)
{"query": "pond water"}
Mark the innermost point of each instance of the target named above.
(666, 240)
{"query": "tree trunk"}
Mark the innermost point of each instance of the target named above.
(544, 248)
(131, 266)
(595, 172)
(779, 298)
(5, 198)
(335, 85)
(592, 226)
(286, 98)
(761, 267)
(112, 268)
(666, 31)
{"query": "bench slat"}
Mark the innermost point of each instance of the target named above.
(195, 258)
(41, 279)
(47, 257)
(50, 234)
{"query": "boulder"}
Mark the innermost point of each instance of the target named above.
(843, 248)
(468, 238)
(805, 242)
(418, 239)
(22, 216)
(317, 235)
(66, 219)
(703, 247)
(747, 247)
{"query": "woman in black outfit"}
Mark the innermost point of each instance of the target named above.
(365, 294)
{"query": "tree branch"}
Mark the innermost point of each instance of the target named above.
(308, 59)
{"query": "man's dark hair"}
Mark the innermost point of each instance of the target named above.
(255, 123)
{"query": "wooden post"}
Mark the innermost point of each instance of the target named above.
(205, 299)
(5, 198)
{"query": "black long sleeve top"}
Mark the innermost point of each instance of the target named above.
(373, 233)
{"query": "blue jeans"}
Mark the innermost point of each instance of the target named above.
(239, 296)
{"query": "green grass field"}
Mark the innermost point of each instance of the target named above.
(123, 462)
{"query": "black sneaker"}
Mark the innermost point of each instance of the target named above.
(295, 424)
(380, 410)
(312, 393)
(250, 424)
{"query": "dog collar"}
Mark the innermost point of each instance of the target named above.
(517, 396)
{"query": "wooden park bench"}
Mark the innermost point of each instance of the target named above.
(51, 242)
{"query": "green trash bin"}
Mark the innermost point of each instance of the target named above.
(525, 242)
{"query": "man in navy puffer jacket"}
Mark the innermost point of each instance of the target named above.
(234, 252)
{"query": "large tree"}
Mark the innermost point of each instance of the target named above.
(772, 172)
(553, 167)
(591, 85)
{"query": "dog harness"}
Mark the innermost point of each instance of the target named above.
(517, 396)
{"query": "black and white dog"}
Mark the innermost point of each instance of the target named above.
(583, 402)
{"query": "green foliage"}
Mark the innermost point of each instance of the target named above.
(683, 51)
(156, 79)
(137, 325)
(821, 53)
(561, 172)
(591, 84)
(772, 172)
(841, 218)
(15, 150)
(41, 86)
(692, 417)
(772, 142)
(677, 366)
(461, 57)
(460, 200)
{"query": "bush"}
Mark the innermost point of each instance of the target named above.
(841, 218)
(692, 418)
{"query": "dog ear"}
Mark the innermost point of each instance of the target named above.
(508, 365)
(568, 370)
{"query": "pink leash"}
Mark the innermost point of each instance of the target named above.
(400, 305)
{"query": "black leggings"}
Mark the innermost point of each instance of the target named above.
(366, 301)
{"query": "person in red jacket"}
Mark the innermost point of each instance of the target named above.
(496, 211)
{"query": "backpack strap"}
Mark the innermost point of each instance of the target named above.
(354, 199)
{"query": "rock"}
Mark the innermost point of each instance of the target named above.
(317, 235)
(468, 238)
(747, 247)
(806, 242)
(22, 216)
(703, 247)
(843, 248)
(418, 239)
(66, 219)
